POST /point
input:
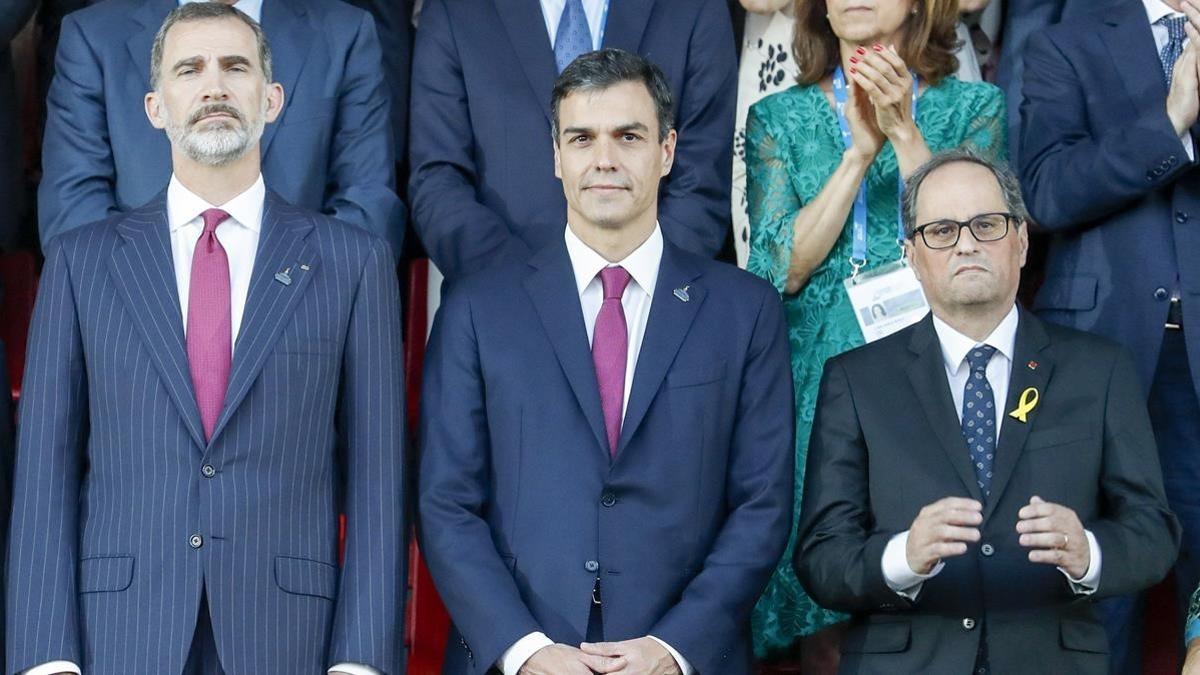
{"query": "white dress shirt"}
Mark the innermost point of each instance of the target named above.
(239, 237)
(642, 266)
(594, 10)
(1155, 10)
(955, 346)
(251, 8)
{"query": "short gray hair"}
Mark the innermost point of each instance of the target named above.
(1010, 187)
(203, 11)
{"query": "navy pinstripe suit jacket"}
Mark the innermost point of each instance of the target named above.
(112, 480)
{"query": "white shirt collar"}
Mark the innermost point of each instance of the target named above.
(251, 8)
(1157, 9)
(185, 206)
(642, 264)
(955, 345)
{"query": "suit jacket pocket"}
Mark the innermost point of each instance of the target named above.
(1055, 436)
(878, 638)
(301, 576)
(1083, 636)
(1076, 293)
(105, 574)
(691, 376)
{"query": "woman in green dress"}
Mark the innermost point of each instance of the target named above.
(806, 164)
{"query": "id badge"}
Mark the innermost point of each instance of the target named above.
(886, 299)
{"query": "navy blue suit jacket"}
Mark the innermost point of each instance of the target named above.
(482, 157)
(522, 508)
(330, 150)
(1104, 172)
(114, 478)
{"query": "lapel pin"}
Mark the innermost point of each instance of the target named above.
(284, 276)
(1032, 365)
(1025, 405)
(304, 267)
(682, 293)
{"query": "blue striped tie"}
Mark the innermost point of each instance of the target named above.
(574, 37)
(1174, 47)
(979, 416)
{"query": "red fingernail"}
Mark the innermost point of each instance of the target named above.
(853, 60)
(860, 50)
(878, 48)
(852, 71)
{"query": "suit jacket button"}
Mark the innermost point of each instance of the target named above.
(1181, 216)
(608, 499)
(1150, 176)
(591, 566)
(968, 624)
(1161, 293)
(195, 541)
(208, 471)
(987, 549)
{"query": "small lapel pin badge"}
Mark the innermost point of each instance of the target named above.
(1032, 365)
(682, 293)
(1025, 405)
(284, 276)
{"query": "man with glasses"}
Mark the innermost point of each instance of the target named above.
(978, 479)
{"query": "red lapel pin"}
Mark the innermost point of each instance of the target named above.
(1032, 365)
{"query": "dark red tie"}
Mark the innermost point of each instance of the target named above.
(209, 324)
(610, 351)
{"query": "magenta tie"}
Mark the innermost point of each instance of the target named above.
(610, 351)
(209, 325)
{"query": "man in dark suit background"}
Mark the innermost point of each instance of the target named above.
(635, 494)
(482, 186)
(970, 529)
(212, 379)
(13, 17)
(1107, 161)
(331, 151)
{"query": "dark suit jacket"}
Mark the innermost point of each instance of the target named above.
(483, 186)
(1104, 172)
(886, 442)
(13, 17)
(112, 475)
(331, 149)
(521, 507)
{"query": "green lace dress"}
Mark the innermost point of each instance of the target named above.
(793, 145)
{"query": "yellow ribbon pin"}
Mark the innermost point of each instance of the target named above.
(1025, 405)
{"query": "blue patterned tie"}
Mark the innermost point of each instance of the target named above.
(574, 37)
(1174, 47)
(979, 416)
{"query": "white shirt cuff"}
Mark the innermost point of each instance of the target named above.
(515, 656)
(1091, 578)
(684, 666)
(354, 669)
(53, 668)
(897, 574)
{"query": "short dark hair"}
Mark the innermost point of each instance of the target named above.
(604, 68)
(1009, 185)
(202, 11)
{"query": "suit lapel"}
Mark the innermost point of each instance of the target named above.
(1030, 348)
(286, 29)
(149, 15)
(269, 302)
(927, 373)
(626, 24)
(142, 269)
(1135, 56)
(669, 323)
(526, 29)
(552, 288)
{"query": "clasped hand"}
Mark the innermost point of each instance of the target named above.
(880, 102)
(643, 656)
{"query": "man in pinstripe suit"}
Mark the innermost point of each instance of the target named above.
(207, 388)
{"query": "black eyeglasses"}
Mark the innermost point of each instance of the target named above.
(945, 233)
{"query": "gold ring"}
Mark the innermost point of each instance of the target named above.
(1066, 540)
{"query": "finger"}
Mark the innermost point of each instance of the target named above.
(1038, 509)
(603, 664)
(1192, 34)
(1192, 12)
(1048, 556)
(958, 517)
(1047, 540)
(945, 533)
(603, 648)
(947, 549)
(894, 59)
(870, 73)
(1035, 525)
(953, 504)
(877, 57)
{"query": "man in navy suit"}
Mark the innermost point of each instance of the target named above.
(482, 185)
(331, 151)
(1108, 153)
(212, 379)
(605, 477)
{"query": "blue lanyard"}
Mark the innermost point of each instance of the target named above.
(841, 96)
